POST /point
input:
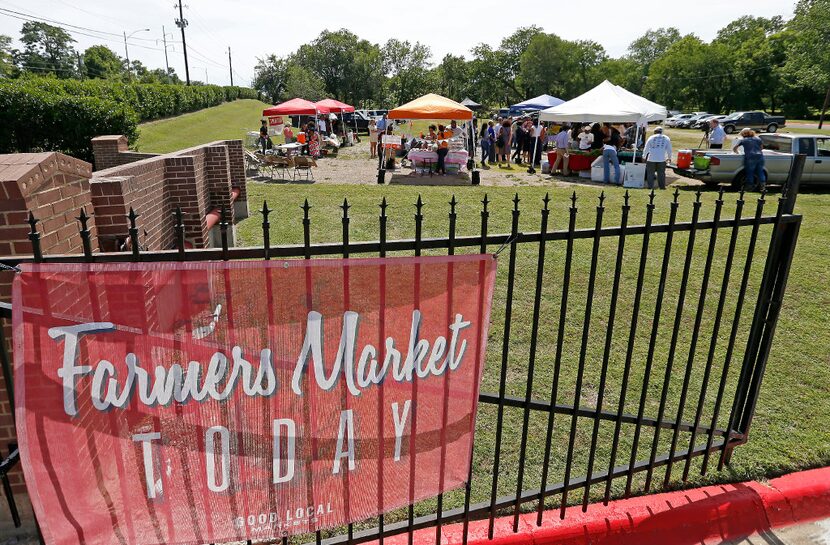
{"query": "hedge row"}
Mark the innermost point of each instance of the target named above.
(64, 115)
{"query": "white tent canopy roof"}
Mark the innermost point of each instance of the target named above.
(606, 103)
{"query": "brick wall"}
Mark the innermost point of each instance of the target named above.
(111, 150)
(53, 187)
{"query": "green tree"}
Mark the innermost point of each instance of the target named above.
(808, 57)
(497, 72)
(101, 62)
(7, 67)
(693, 74)
(453, 77)
(47, 49)
(407, 67)
(270, 76)
(587, 57)
(347, 65)
(547, 66)
(652, 45)
(301, 82)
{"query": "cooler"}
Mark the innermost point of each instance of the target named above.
(684, 158)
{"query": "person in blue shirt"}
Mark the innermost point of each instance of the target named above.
(753, 159)
(716, 135)
(383, 122)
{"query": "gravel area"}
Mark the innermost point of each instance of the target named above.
(353, 166)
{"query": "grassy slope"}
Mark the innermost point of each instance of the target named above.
(789, 430)
(226, 121)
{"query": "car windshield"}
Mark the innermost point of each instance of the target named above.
(736, 115)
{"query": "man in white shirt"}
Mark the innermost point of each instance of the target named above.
(716, 135)
(657, 153)
(456, 130)
(321, 124)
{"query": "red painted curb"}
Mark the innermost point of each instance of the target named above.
(722, 512)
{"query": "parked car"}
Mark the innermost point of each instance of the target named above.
(691, 122)
(703, 122)
(674, 120)
(359, 119)
(376, 114)
(760, 121)
(728, 167)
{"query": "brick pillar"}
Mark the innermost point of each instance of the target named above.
(53, 187)
(236, 163)
(181, 175)
(106, 150)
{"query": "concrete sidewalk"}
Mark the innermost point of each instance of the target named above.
(812, 533)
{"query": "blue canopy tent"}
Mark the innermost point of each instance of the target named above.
(535, 104)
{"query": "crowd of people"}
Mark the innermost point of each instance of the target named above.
(312, 136)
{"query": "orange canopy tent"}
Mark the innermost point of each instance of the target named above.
(431, 106)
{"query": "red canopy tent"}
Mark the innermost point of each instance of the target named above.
(295, 106)
(335, 106)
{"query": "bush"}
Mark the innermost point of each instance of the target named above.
(45, 113)
(35, 120)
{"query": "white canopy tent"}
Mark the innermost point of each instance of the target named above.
(607, 103)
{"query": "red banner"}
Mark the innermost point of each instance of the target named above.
(208, 402)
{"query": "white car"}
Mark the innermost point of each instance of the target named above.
(674, 120)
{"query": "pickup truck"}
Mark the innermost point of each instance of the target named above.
(758, 121)
(726, 167)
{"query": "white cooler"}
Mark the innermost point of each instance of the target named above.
(635, 175)
(598, 172)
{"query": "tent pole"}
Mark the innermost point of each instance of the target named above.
(636, 139)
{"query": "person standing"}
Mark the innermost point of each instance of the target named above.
(562, 141)
(506, 136)
(609, 157)
(599, 137)
(716, 135)
(657, 153)
(586, 138)
(382, 123)
(288, 133)
(263, 136)
(521, 134)
(484, 142)
(753, 159)
(373, 139)
(491, 132)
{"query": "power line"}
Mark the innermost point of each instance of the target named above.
(64, 25)
(97, 37)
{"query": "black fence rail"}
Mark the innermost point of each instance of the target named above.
(622, 359)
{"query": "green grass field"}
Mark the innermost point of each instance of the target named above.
(224, 122)
(789, 430)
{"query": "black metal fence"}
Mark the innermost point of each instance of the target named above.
(603, 374)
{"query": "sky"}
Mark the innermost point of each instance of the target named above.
(257, 28)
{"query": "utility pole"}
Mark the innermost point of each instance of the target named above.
(230, 65)
(127, 50)
(164, 39)
(80, 66)
(181, 22)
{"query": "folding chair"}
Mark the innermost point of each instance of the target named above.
(303, 166)
(253, 162)
(280, 164)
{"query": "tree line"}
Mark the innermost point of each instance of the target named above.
(48, 50)
(752, 63)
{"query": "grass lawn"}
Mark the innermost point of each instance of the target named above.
(790, 428)
(224, 122)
